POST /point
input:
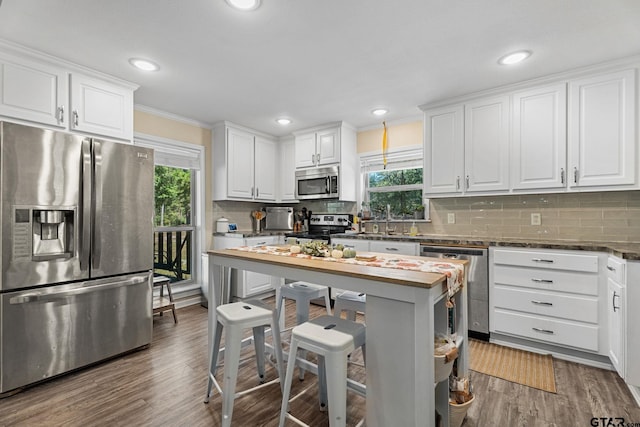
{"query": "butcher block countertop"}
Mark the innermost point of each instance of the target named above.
(389, 275)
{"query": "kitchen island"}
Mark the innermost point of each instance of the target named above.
(405, 309)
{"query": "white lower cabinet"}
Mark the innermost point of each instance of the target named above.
(550, 296)
(392, 247)
(616, 309)
(245, 284)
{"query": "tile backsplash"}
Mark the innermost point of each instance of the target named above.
(604, 216)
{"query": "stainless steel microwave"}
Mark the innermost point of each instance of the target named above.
(318, 183)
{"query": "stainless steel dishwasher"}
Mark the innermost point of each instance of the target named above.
(477, 282)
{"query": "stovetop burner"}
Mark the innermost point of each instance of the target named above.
(321, 226)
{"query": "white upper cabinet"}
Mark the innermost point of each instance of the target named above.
(486, 144)
(444, 150)
(240, 160)
(330, 144)
(467, 147)
(265, 158)
(305, 150)
(40, 89)
(33, 91)
(602, 130)
(101, 108)
(318, 148)
(287, 187)
(243, 164)
(539, 139)
(578, 132)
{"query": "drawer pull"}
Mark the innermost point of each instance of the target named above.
(548, 304)
(549, 261)
(542, 280)
(610, 268)
(613, 302)
(543, 331)
(391, 249)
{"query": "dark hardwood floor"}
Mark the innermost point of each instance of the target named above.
(165, 384)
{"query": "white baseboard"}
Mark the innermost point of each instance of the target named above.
(596, 361)
(635, 392)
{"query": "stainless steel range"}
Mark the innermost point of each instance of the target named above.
(321, 226)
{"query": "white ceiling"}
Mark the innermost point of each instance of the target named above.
(318, 61)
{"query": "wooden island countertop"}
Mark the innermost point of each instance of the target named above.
(406, 308)
(389, 275)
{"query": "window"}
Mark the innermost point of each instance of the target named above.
(399, 185)
(173, 229)
(179, 208)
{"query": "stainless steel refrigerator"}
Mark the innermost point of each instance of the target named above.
(77, 251)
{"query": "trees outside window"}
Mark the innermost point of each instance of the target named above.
(173, 229)
(398, 185)
(400, 189)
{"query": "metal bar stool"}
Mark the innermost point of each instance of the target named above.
(235, 318)
(302, 293)
(332, 339)
(350, 302)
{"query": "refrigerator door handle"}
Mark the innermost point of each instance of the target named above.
(97, 218)
(57, 296)
(86, 205)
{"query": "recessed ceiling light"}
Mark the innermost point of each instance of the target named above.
(514, 58)
(144, 64)
(379, 112)
(284, 121)
(244, 4)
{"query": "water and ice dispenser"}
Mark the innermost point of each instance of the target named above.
(43, 234)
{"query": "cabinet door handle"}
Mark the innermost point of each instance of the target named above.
(613, 302)
(610, 268)
(549, 261)
(542, 280)
(543, 331)
(458, 182)
(575, 175)
(561, 175)
(548, 304)
(313, 159)
(318, 158)
(467, 182)
(61, 114)
(75, 117)
(257, 192)
(251, 191)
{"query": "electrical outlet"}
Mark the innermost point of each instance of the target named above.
(536, 219)
(451, 218)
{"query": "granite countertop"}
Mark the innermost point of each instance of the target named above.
(625, 250)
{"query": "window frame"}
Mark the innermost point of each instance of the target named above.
(180, 154)
(413, 156)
